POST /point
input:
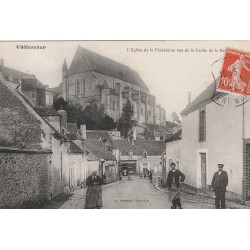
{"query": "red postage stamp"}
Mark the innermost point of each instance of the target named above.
(235, 73)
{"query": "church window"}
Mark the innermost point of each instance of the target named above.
(142, 111)
(78, 87)
(83, 86)
(114, 105)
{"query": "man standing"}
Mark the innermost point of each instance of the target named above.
(94, 191)
(219, 184)
(175, 176)
(150, 176)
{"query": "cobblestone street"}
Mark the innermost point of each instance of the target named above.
(136, 193)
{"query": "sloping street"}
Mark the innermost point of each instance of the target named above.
(136, 194)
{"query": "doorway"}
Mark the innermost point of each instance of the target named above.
(203, 170)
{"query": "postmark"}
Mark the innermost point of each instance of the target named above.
(235, 73)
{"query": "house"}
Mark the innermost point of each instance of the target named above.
(173, 149)
(93, 77)
(138, 156)
(37, 161)
(37, 93)
(25, 151)
(106, 161)
(215, 130)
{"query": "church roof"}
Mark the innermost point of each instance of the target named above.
(86, 60)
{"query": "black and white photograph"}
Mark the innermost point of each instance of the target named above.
(125, 124)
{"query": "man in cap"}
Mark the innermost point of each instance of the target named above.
(94, 191)
(174, 182)
(219, 184)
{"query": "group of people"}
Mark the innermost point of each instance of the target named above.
(175, 181)
(147, 174)
(176, 178)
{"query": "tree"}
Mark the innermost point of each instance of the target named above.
(74, 110)
(175, 118)
(58, 103)
(93, 115)
(126, 121)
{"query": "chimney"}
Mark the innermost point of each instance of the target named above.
(2, 62)
(63, 120)
(189, 97)
(83, 131)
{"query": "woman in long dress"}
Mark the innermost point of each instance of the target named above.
(94, 191)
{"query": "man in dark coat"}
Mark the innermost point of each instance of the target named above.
(94, 191)
(219, 184)
(174, 182)
(150, 176)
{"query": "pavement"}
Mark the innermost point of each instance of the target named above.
(134, 194)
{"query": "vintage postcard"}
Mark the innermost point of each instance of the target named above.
(125, 124)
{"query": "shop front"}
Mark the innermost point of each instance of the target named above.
(127, 167)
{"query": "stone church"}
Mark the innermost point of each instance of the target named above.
(93, 77)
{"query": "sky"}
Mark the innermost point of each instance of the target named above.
(170, 69)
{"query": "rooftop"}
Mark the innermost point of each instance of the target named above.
(97, 148)
(97, 134)
(153, 148)
(45, 111)
(203, 99)
(175, 137)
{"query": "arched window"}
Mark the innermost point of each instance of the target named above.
(83, 86)
(78, 87)
(114, 105)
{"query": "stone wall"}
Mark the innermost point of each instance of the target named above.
(23, 178)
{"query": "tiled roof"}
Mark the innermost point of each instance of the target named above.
(46, 111)
(203, 99)
(86, 60)
(97, 134)
(16, 121)
(98, 149)
(6, 71)
(90, 156)
(75, 149)
(153, 148)
(16, 74)
(153, 130)
(171, 125)
(175, 137)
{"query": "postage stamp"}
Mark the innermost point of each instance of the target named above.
(235, 73)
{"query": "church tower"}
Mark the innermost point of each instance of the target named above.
(65, 91)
